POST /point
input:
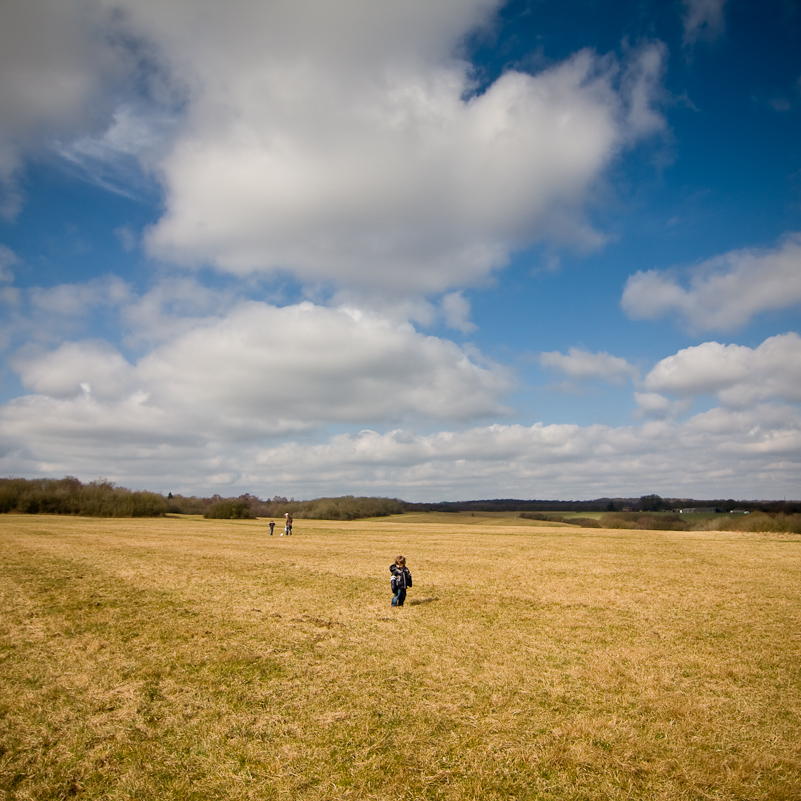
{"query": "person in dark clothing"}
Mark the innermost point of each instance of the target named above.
(272, 526)
(401, 580)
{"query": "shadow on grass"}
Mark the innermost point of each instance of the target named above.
(418, 601)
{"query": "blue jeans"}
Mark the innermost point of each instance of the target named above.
(399, 597)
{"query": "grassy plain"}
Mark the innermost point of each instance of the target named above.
(182, 658)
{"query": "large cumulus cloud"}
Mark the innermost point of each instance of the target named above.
(345, 142)
(400, 179)
(256, 371)
(406, 186)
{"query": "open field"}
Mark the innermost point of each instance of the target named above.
(183, 658)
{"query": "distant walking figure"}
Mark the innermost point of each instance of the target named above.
(288, 524)
(401, 579)
(272, 526)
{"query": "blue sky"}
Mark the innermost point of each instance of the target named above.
(434, 251)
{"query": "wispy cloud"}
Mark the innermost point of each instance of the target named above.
(7, 260)
(704, 20)
(456, 310)
(582, 364)
(118, 158)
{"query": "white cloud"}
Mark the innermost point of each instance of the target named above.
(582, 364)
(259, 370)
(313, 365)
(7, 260)
(172, 307)
(342, 142)
(703, 20)
(780, 104)
(228, 384)
(61, 312)
(345, 146)
(212, 410)
(128, 134)
(126, 237)
(412, 189)
(53, 68)
(724, 293)
(737, 375)
(763, 450)
(113, 158)
(641, 87)
(456, 309)
(746, 453)
(654, 405)
(75, 300)
(10, 296)
(75, 368)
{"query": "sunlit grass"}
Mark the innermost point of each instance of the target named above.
(192, 659)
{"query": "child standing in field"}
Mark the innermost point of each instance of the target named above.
(272, 526)
(401, 579)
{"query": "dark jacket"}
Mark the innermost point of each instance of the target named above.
(401, 574)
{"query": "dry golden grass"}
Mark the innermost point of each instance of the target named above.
(198, 659)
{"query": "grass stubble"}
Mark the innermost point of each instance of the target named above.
(193, 659)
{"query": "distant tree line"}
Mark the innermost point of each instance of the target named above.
(645, 503)
(346, 507)
(68, 496)
(101, 498)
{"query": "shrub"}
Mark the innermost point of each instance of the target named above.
(756, 522)
(617, 520)
(542, 516)
(662, 523)
(644, 521)
(584, 522)
(179, 504)
(346, 507)
(229, 510)
(765, 522)
(148, 504)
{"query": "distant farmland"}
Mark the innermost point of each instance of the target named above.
(182, 658)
